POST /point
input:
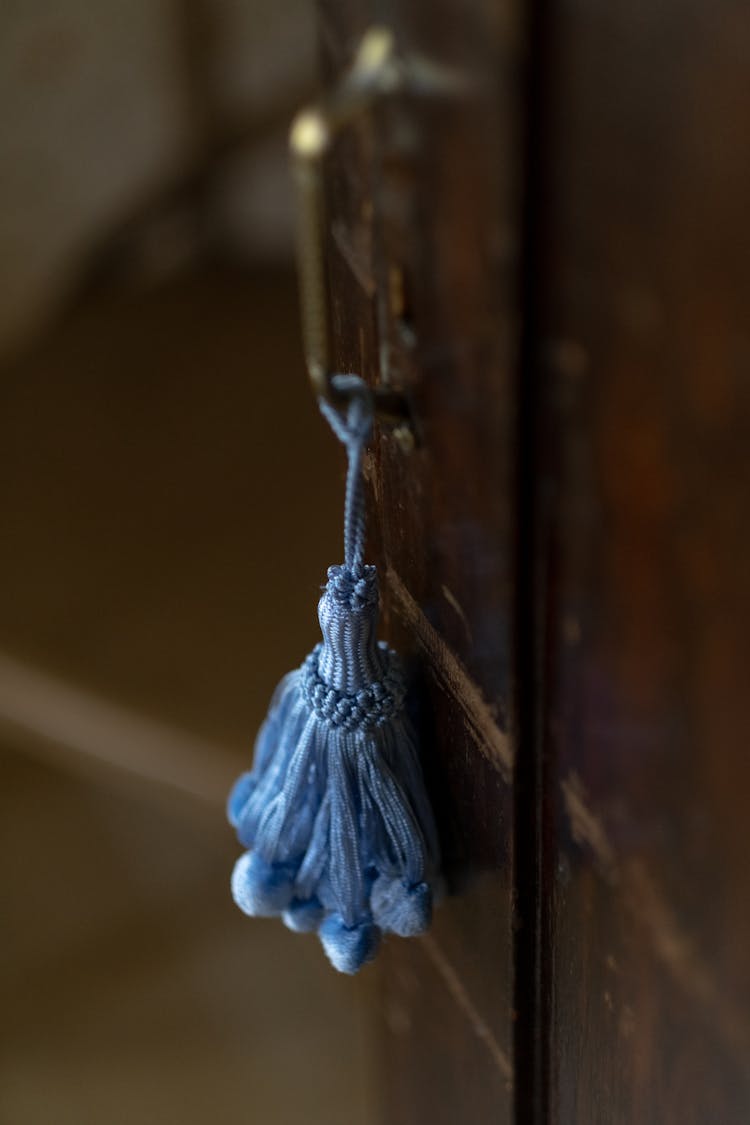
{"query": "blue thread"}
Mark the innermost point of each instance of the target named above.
(340, 834)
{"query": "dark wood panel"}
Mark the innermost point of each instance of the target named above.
(421, 262)
(645, 424)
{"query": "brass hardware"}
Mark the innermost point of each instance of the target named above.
(377, 71)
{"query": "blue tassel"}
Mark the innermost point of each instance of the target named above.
(340, 834)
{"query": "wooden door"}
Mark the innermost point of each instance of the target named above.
(643, 492)
(555, 267)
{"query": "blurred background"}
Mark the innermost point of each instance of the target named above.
(170, 502)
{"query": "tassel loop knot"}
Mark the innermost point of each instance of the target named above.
(356, 592)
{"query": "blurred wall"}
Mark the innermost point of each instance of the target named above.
(112, 109)
(164, 543)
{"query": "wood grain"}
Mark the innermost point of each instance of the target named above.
(645, 282)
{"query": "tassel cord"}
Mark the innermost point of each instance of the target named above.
(353, 431)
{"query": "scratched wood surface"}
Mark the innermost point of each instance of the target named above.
(643, 497)
(420, 266)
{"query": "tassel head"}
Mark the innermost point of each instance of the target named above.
(350, 680)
